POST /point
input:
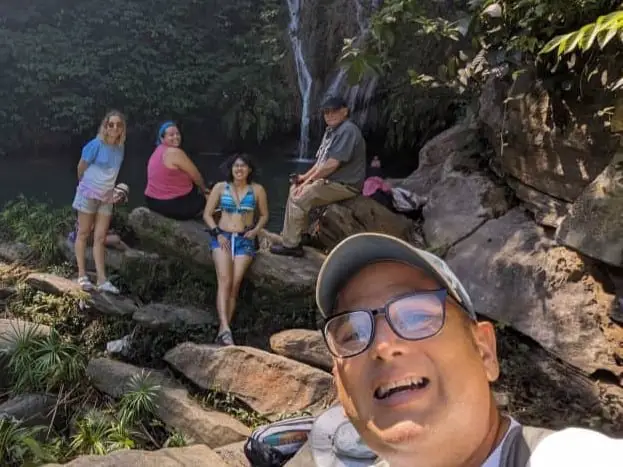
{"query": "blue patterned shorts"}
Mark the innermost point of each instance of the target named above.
(240, 246)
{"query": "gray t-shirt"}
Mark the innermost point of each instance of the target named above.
(345, 144)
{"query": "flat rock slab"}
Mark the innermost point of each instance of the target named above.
(595, 224)
(163, 316)
(190, 456)
(15, 252)
(515, 274)
(270, 384)
(102, 302)
(190, 239)
(175, 407)
(458, 205)
(303, 345)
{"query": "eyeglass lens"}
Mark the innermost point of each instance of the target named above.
(413, 317)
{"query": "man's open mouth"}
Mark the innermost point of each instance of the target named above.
(410, 384)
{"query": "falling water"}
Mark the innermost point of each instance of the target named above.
(302, 72)
(360, 93)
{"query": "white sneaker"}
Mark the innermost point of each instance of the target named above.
(85, 284)
(108, 287)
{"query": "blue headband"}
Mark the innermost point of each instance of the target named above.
(162, 129)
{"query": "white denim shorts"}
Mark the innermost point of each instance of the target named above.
(90, 205)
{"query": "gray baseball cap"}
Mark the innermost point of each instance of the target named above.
(360, 250)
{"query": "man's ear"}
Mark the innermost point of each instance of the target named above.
(484, 338)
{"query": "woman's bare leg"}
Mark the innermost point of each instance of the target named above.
(241, 264)
(102, 223)
(85, 226)
(224, 268)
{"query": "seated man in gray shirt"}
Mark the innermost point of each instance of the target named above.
(338, 174)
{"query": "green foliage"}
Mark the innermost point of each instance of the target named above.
(37, 225)
(19, 445)
(65, 63)
(139, 401)
(41, 363)
(600, 33)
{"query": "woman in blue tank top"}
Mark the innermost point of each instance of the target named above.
(234, 237)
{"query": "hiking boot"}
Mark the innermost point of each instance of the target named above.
(296, 251)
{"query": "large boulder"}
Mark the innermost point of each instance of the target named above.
(594, 225)
(458, 205)
(191, 456)
(302, 345)
(542, 138)
(104, 303)
(116, 259)
(175, 407)
(333, 223)
(269, 384)
(15, 252)
(517, 275)
(456, 149)
(30, 409)
(190, 239)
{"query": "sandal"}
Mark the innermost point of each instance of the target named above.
(225, 338)
(108, 287)
(85, 284)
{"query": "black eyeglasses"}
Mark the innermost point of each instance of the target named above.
(413, 317)
(115, 124)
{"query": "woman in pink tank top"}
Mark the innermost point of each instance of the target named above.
(175, 188)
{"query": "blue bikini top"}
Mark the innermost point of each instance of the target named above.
(229, 204)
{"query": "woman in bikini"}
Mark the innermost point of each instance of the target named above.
(233, 238)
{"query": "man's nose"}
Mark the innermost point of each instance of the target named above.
(386, 343)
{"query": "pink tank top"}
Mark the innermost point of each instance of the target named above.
(163, 182)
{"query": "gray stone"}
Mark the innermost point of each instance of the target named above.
(456, 149)
(190, 456)
(15, 252)
(515, 274)
(174, 406)
(29, 409)
(303, 345)
(269, 384)
(162, 316)
(547, 210)
(458, 205)
(594, 225)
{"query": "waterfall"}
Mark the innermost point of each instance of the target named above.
(358, 96)
(302, 72)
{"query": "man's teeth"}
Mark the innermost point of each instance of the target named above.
(387, 390)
